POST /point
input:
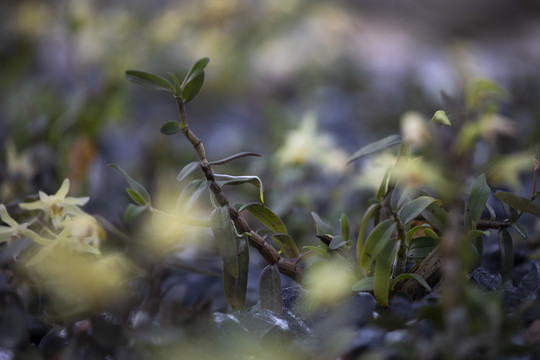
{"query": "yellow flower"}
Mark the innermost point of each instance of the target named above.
(57, 206)
(13, 230)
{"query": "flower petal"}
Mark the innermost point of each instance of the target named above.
(64, 189)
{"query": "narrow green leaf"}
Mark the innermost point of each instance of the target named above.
(133, 210)
(441, 118)
(187, 170)
(376, 242)
(360, 240)
(337, 242)
(477, 201)
(190, 194)
(520, 229)
(265, 216)
(175, 82)
(414, 208)
(345, 227)
(383, 273)
(317, 250)
(195, 70)
(192, 88)
(137, 187)
(287, 245)
(233, 157)
(237, 180)
(222, 227)
(170, 128)
(270, 292)
(235, 288)
(518, 202)
(149, 80)
(322, 227)
(383, 188)
(415, 277)
(135, 197)
(506, 249)
(376, 146)
(366, 284)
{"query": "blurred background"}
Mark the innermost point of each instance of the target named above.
(303, 82)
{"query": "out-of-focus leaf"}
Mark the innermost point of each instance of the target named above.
(436, 216)
(366, 284)
(478, 244)
(237, 180)
(233, 157)
(518, 202)
(506, 249)
(235, 287)
(375, 243)
(270, 292)
(322, 227)
(477, 201)
(133, 210)
(409, 234)
(190, 194)
(360, 240)
(287, 245)
(479, 90)
(222, 227)
(265, 216)
(520, 229)
(192, 88)
(149, 80)
(345, 227)
(337, 242)
(376, 146)
(383, 188)
(317, 250)
(135, 197)
(187, 170)
(382, 274)
(441, 118)
(137, 187)
(491, 211)
(170, 128)
(414, 208)
(415, 277)
(195, 70)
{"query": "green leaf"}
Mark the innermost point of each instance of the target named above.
(415, 277)
(520, 229)
(477, 201)
(133, 210)
(506, 249)
(366, 284)
(265, 216)
(237, 180)
(414, 208)
(187, 170)
(376, 242)
(360, 240)
(170, 128)
(222, 227)
(192, 88)
(190, 194)
(270, 292)
(137, 187)
(441, 118)
(322, 227)
(175, 82)
(337, 242)
(345, 227)
(195, 70)
(317, 250)
(382, 274)
(383, 188)
(409, 234)
(376, 146)
(421, 246)
(436, 216)
(233, 157)
(287, 245)
(235, 288)
(135, 197)
(518, 202)
(149, 80)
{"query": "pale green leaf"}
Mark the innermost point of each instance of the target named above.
(376, 146)
(149, 80)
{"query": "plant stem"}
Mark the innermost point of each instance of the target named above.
(286, 266)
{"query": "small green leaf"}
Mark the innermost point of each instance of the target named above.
(133, 210)
(441, 118)
(135, 197)
(506, 249)
(175, 82)
(337, 242)
(409, 234)
(415, 277)
(360, 240)
(270, 292)
(170, 128)
(235, 288)
(414, 208)
(317, 250)
(222, 227)
(383, 273)
(376, 242)
(265, 216)
(195, 70)
(477, 201)
(322, 227)
(187, 170)
(192, 88)
(518, 202)
(237, 180)
(233, 157)
(376, 146)
(366, 284)
(149, 80)
(345, 227)
(137, 187)
(287, 245)
(383, 188)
